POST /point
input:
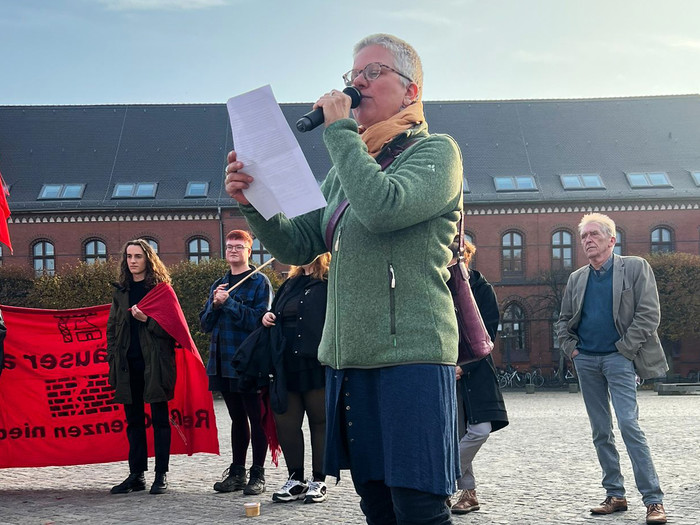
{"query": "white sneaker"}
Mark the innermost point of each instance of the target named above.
(292, 490)
(317, 492)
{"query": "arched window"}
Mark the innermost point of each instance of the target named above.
(44, 258)
(198, 250)
(513, 334)
(562, 250)
(662, 240)
(512, 254)
(259, 254)
(152, 243)
(619, 248)
(95, 250)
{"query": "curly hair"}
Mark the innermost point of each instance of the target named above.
(319, 268)
(156, 272)
(469, 251)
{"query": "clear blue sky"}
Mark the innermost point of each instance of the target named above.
(189, 51)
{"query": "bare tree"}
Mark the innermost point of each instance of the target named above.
(547, 301)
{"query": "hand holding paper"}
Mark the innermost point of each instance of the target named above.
(283, 181)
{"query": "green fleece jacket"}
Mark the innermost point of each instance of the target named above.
(388, 302)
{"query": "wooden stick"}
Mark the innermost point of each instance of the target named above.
(250, 274)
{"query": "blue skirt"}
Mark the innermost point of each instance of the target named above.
(395, 424)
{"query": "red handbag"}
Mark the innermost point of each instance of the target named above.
(474, 341)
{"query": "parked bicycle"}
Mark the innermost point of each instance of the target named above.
(557, 380)
(510, 377)
(534, 377)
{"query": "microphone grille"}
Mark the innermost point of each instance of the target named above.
(354, 94)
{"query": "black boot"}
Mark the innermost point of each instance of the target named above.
(234, 479)
(160, 484)
(134, 482)
(256, 484)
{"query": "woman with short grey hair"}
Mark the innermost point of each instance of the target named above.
(390, 336)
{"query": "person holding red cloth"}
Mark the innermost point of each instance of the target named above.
(141, 356)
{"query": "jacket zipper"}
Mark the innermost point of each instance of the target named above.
(336, 261)
(392, 313)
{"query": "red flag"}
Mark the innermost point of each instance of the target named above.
(161, 304)
(56, 404)
(4, 215)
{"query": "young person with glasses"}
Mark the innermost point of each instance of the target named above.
(230, 317)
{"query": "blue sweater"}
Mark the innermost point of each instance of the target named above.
(596, 331)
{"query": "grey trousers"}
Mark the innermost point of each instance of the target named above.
(473, 436)
(610, 379)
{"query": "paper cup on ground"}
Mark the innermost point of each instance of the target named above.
(252, 509)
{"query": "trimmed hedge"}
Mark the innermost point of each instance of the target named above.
(16, 284)
(75, 286)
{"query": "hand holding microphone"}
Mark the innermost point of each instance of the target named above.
(336, 108)
(337, 105)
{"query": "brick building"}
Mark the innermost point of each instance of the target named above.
(85, 179)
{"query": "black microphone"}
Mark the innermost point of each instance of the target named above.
(315, 118)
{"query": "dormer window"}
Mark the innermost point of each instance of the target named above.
(517, 183)
(135, 190)
(197, 189)
(648, 180)
(581, 181)
(61, 191)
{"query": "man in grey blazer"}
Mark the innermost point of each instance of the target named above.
(607, 327)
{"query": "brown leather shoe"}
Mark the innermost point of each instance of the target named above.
(467, 502)
(610, 505)
(656, 513)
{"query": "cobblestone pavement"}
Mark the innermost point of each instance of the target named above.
(541, 469)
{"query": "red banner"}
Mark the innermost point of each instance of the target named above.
(56, 403)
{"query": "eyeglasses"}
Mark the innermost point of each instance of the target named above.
(235, 247)
(370, 72)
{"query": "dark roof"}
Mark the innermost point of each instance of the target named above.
(173, 144)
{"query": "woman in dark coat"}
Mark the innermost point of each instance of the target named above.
(300, 309)
(141, 357)
(480, 402)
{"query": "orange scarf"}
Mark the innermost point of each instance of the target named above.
(379, 134)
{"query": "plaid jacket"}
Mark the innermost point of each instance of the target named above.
(234, 320)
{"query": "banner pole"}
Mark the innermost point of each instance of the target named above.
(250, 274)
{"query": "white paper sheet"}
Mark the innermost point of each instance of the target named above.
(266, 146)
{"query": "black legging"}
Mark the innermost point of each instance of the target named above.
(244, 408)
(291, 436)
